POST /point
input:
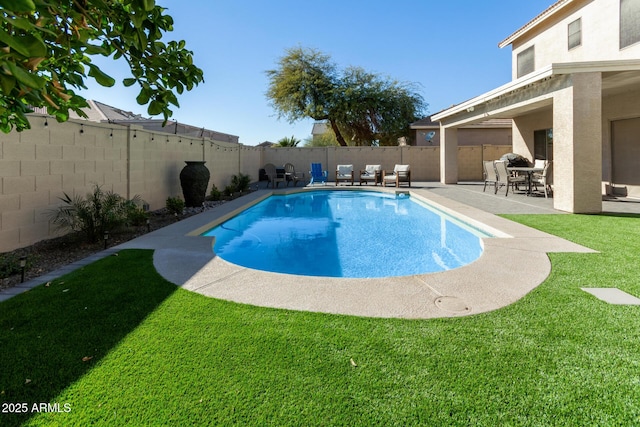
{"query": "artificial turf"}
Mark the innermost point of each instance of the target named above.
(115, 344)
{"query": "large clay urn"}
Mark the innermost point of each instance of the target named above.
(194, 179)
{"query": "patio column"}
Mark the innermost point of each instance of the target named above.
(577, 140)
(448, 155)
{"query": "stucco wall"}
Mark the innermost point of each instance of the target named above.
(476, 136)
(524, 127)
(600, 36)
(38, 166)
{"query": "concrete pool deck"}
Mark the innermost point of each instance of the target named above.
(511, 266)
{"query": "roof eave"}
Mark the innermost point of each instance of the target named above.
(536, 76)
(551, 10)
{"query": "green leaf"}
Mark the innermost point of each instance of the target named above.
(155, 108)
(17, 22)
(34, 45)
(95, 50)
(137, 19)
(148, 5)
(28, 79)
(18, 6)
(129, 82)
(144, 96)
(100, 77)
(7, 83)
(14, 43)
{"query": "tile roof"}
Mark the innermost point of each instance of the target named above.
(535, 21)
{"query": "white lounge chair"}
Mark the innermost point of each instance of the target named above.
(401, 173)
(344, 173)
(371, 173)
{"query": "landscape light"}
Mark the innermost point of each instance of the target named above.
(23, 264)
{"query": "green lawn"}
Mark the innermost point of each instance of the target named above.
(164, 356)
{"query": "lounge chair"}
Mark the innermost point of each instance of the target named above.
(490, 176)
(344, 173)
(506, 179)
(371, 173)
(317, 174)
(273, 176)
(291, 175)
(401, 173)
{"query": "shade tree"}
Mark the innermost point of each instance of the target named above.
(46, 51)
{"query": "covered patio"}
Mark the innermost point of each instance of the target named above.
(579, 102)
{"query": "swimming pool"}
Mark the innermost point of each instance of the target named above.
(355, 234)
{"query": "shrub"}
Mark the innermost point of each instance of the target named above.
(228, 190)
(93, 215)
(241, 182)
(135, 214)
(215, 194)
(175, 205)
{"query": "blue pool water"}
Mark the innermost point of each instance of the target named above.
(354, 234)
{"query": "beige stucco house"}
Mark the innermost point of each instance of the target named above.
(574, 98)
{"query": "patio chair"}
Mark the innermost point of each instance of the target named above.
(273, 176)
(506, 179)
(344, 173)
(317, 174)
(543, 179)
(371, 173)
(490, 176)
(291, 175)
(401, 173)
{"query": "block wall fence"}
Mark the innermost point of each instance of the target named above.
(39, 165)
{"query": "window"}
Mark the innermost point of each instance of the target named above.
(575, 33)
(526, 61)
(629, 22)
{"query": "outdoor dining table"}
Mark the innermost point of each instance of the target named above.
(529, 170)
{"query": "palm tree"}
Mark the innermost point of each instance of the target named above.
(288, 142)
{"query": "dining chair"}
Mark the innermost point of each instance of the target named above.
(543, 179)
(272, 174)
(490, 176)
(292, 175)
(506, 179)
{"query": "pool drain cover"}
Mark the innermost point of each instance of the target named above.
(453, 304)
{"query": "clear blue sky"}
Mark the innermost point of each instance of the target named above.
(449, 48)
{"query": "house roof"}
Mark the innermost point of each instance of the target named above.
(319, 128)
(100, 112)
(543, 16)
